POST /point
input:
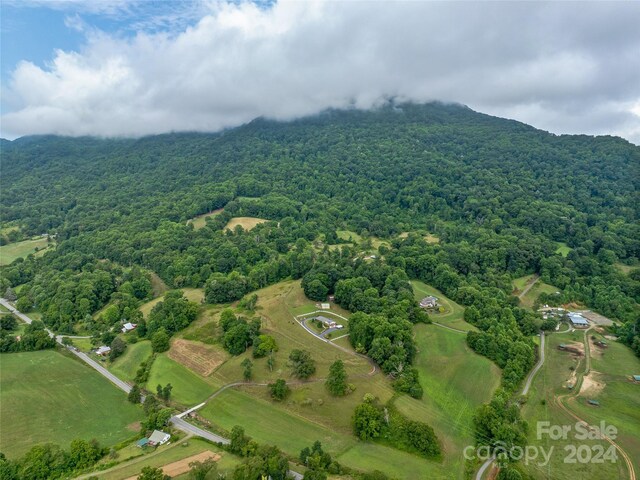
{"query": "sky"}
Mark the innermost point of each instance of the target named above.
(133, 67)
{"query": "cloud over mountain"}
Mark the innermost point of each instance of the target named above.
(568, 67)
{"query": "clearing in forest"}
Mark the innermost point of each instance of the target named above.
(448, 312)
(201, 220)
(13, 251)
(247, 223)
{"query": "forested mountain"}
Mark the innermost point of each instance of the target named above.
(498, 193)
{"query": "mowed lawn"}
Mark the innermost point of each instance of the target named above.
(268, 424)
(127, 364)
(8, 253)
(189, 388)
(456, 381)
(453, 315)
(48, 397)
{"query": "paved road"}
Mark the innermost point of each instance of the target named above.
(525, 390)
(484, 466)
(533, 372)
(177, 422)
(189, 428)
(82, 356)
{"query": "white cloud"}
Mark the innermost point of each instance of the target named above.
(568, 68)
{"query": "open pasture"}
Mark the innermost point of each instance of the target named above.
(49, 397)
(247, 223)
(456, 381)
(13, 251)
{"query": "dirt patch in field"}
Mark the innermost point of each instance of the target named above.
(134, 427)
(197, 357)
(574, 348)
(592, 384)
(182, 466)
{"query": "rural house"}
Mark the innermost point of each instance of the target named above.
(103, 350)
(429, 302)
(127, 327)
(158, 438)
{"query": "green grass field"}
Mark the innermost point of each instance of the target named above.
(520, 283)
(9, 253)
(247, 223)
(453, 315)
(201, 220)
(563, 249)
(189, 388)
(267, 423)
(127, 364)
(169, 454)
(550, 382)
(49, 397)
(534, 292)
(619, 397)
(456, 381)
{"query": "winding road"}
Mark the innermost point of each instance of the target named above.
(176, 420)
(525, 390)
(538, 366)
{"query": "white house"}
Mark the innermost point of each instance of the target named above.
(429, 302)
(127, 327)
(103, 350)
(158, 438)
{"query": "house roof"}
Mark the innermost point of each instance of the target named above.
(323, 319)
(429, 299)
(577, 319)
(636, 378)
(142, 442)
(103, 349)
(129, 326)
(157, 436)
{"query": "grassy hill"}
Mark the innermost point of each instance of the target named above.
(49, 397)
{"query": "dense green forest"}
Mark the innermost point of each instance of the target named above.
(498, 194)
